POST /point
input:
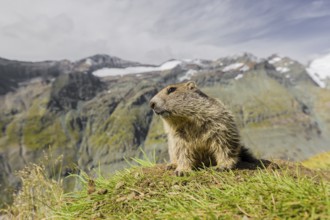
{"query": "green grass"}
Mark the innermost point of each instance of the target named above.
(13, 132)
(152, 192)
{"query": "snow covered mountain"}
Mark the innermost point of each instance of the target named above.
(136, 69)
(234, 67)
(319, 71)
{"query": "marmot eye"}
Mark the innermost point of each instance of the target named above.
(170, 90)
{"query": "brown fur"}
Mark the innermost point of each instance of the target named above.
(201, 131)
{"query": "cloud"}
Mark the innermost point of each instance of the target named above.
(154, 31)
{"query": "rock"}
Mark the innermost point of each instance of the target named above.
(70, 89)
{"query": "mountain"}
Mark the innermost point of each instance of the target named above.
(15, 73)
(94, 113)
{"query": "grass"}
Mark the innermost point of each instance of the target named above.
(13, 132)
(38, 197)
(151, 192)
(42, 128)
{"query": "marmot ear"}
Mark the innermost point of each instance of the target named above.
(191, 85)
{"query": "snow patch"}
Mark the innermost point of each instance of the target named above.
(316, 78)
(187, 75)
(275, 60)
(233, 66)
(170, 64)
(239, 76)
(137, 69)
(244, 68)
(319, 70)
(198, 62)
(121, 71)
(88, 62)
(282, 69)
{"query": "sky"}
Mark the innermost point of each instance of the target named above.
(150, 31)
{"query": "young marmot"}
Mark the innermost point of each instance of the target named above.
(201, 131)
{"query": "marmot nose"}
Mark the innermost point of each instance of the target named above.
(152, 104)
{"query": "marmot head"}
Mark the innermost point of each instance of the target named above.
(178, 100)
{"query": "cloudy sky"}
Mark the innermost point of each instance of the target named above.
(152, 31)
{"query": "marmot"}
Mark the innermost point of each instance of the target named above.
(201, 131)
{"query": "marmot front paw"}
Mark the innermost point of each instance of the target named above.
(179, 172)
(171, 166)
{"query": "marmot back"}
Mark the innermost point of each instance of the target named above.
(201, 131)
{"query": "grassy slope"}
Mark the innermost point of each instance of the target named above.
(320, 161)
(151, 192)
